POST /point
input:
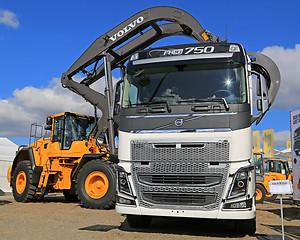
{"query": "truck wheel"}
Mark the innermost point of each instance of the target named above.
(245, 226)
(270, 197)
(260, 193)
(96, 185)
(138, 221)
(22, 187)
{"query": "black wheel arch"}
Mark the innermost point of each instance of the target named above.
(27, 154)
(89, 157)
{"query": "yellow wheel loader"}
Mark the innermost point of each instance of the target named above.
(269, 170)
(69, 159)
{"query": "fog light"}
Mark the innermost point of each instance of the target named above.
(125, 201)
(239, 205)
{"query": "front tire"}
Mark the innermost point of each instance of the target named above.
(246, 226)
(22, 187)
(139, 221)
(96, 185)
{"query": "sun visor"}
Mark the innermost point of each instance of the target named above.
(261, 64)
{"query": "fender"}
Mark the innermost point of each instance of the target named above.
(85, 158)
(27, 154)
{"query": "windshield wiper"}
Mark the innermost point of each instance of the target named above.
(150, 103)
(207, 100)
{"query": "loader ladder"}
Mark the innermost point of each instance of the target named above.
(36, 132)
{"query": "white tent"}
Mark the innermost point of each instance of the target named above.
(7, 153)
(286, 153)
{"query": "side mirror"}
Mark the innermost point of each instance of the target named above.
(258, 87)
(117, 99)
(259, 104)
(49, 121)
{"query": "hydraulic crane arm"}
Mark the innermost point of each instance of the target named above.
(121, 55)
(116, 46)
(184, 24)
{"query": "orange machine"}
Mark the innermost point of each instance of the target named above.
(269, 170)
(69, 159)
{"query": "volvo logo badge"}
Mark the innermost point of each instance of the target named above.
(178, 122)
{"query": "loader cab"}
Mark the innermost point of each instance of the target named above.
(278, 167)
(69, 127)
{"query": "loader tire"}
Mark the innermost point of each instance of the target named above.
(70, 194)
(22, 187)
(270, 197)
(260, 193)
(96, 185)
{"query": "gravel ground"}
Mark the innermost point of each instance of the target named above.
(54, 218)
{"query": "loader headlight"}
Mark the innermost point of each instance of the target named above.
(123, 182)
(240, 183)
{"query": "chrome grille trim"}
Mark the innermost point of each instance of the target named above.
(194, 199)
(200, 180)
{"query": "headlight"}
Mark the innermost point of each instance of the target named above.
(240, 183)
(123, 182)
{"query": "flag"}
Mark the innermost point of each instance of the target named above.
(268, 143)
(256, 144)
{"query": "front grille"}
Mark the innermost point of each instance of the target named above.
(204, 151)
(180, 199)
(182, 179)
(190, 176)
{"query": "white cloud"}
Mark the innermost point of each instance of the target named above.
(280, 139)
(32, 105)
(9, 18)
(287, 60)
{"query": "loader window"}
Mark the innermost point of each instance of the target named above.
(58, 130)
(77, 128)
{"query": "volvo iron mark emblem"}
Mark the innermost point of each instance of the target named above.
(178, 122)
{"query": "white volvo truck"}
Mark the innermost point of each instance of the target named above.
(184, 119)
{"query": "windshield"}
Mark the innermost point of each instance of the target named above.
(78, 128)
(182, 84)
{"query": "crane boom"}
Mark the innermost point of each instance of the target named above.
(117, 45)
(183, 24)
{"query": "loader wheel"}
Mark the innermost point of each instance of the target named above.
(260, 193)
(96, 185)
(22, 187)
(270, 197)
(70, 194)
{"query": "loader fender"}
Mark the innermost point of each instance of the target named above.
(27, 154)
(85, 158)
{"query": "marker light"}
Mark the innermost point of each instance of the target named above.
(234, 48)
(134, 57)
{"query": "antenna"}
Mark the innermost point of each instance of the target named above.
(226, 33)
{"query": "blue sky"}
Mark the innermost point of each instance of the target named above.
(39, 40)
